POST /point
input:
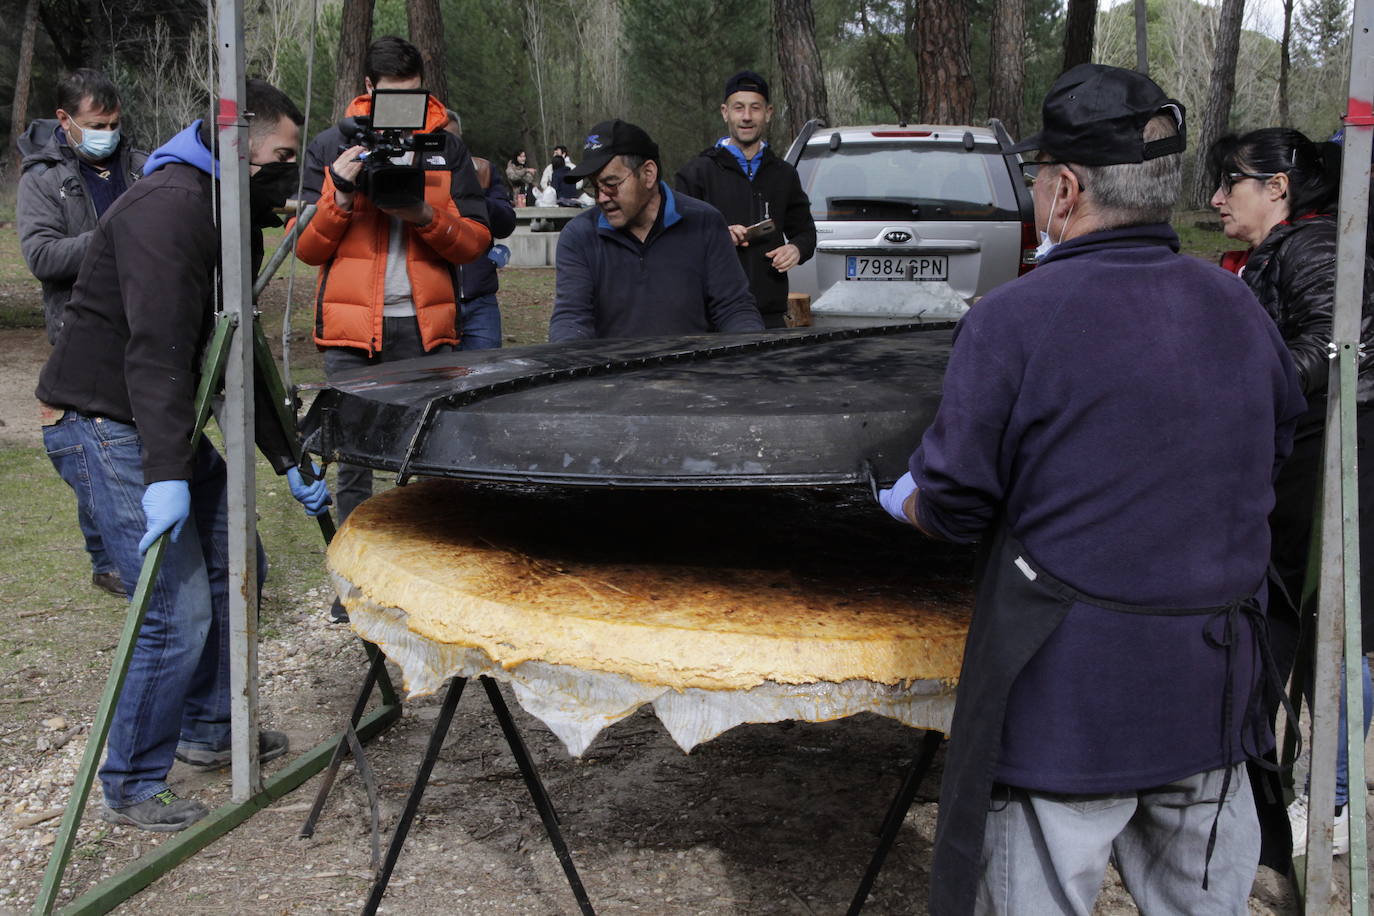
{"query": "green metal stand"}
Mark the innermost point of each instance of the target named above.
(109, 893)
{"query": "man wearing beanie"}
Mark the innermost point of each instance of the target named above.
(742, 178)
(645, 261)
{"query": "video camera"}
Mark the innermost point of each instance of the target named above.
(389, 132)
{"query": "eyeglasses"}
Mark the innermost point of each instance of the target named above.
(611, 186)
(1229, 179)
(1030, 172)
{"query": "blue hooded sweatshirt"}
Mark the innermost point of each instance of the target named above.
(184, 147)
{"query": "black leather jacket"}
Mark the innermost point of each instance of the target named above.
(1293, 274)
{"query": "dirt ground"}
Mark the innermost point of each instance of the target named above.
(775, 819)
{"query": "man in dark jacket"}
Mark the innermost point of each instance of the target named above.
(646, 261)
(123, 377)
(479, 314)
(759, 195)
(1109, 430)
(74, 167)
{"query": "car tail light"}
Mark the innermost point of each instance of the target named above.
(901, 133)
(1029, 242)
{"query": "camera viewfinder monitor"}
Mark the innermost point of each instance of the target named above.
(399, 109)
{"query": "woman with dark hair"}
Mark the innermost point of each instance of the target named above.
(521, 176)
(1277, 191)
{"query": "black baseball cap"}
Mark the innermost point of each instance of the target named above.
(1096, 115)
(610, 139)
(746, 81)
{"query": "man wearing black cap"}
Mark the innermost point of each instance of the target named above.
(646, 261)
(1109, 429)
(759, 195)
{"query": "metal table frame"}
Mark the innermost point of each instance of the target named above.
(913, 775)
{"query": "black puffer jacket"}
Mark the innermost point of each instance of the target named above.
(1293, 274)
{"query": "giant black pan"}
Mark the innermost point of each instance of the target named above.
(786, 408)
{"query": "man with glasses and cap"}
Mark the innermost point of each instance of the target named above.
(1109, 431)
(647, 260)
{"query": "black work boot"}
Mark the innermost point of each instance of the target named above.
(271, 745)
(165, 812)
(337, 614)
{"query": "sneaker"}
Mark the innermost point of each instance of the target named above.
(271, 745)
(110, 582)
(337, 614)
(165, 812)
(1340, 828)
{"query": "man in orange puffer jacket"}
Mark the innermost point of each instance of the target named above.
(388, 289)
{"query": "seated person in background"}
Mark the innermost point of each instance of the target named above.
(646, 261)
(565, 189)
(521, 178)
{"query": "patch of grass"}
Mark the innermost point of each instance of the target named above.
(9, 192)
(526, 299)
(21, 297)
(46, 568)
(1199, 232)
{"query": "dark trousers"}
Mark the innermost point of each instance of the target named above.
(400, 340)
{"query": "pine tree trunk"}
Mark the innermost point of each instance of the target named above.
(799, 61)
(1007, 76)
(427, 34)
(942, 62)
(1217, 113)
(355, 34)
(1285, 64)
(19, 111)
(1078, 33)
(1142, 39)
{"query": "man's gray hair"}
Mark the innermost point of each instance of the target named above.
(1134, 193)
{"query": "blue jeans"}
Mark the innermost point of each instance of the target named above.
(177, 688)
(480, 323)
(71, 467)
(1343, 748)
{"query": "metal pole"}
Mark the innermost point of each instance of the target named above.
(1338, 614)
(1350, 293)
(237, 419)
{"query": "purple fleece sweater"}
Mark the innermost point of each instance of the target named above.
(1123, 408)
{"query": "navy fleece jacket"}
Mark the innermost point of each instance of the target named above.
(683, 278)
(1123, 409)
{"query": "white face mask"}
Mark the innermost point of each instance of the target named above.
(1047, 245)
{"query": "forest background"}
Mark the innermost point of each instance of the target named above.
(529, 74)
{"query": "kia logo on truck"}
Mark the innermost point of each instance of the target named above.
(897, 236)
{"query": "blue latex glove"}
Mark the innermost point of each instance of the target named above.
(314, 496)
(893, 498)
(166, 505)
(499, 255)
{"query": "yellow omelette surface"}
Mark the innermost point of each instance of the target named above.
(708, 590)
